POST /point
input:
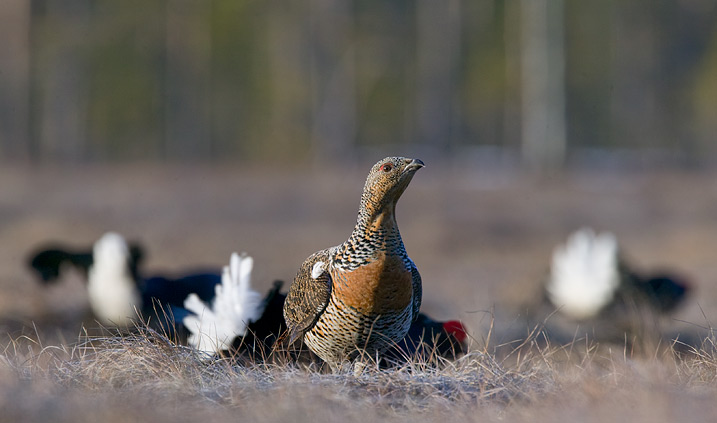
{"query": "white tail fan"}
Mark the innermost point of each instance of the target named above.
(584, 273)
(235, 305)
(112, 290)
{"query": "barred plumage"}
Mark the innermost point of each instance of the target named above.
(362, 295)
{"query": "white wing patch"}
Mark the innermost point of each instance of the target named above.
(234, 307)
(317, 270)
(584, 273)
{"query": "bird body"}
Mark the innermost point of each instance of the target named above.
(362, 295)
(260, 339)
(118, 293)
(428, 341)
(120, 296)
(172, 291)
(589, 276)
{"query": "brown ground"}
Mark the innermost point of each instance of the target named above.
(481, 238)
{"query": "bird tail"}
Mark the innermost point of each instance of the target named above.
(584, 273)
(111, 252)
(235, 305)
(111, 287)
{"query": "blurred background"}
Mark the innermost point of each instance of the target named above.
(205, 127)
(532, 81)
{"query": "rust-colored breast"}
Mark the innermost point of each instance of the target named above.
(381, 286)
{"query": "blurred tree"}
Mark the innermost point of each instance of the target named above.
(333, 77)
(287, 133)
(385, 60)
(437, 64)
(188, 79)
(182, 79)
(240, 77)
(704, 100)
(59, 78)
(543, 92)
(488, 87)
(589, 50)
(15, 78)
(127, 79)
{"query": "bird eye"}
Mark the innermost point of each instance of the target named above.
(387, 167)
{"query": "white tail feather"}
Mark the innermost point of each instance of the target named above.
(112, 291)
(235, 305)
(584, 273)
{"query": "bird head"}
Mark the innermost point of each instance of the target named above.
(456, 328)
(47, 264)
(386, 181)
(667, 291)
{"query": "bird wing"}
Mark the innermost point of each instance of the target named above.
(417, 290)
(308, 295)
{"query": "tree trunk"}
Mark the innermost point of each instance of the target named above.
(543, 84)
(14, 79)
(188, 80)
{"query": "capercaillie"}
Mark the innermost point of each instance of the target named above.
(361, 296)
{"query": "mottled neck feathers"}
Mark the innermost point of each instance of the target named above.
(376, 229)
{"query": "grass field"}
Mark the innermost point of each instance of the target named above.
(482, 240)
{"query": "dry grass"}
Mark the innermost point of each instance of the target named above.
(148, 370)
(145, 376)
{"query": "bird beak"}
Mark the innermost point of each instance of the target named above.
(414, 165)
